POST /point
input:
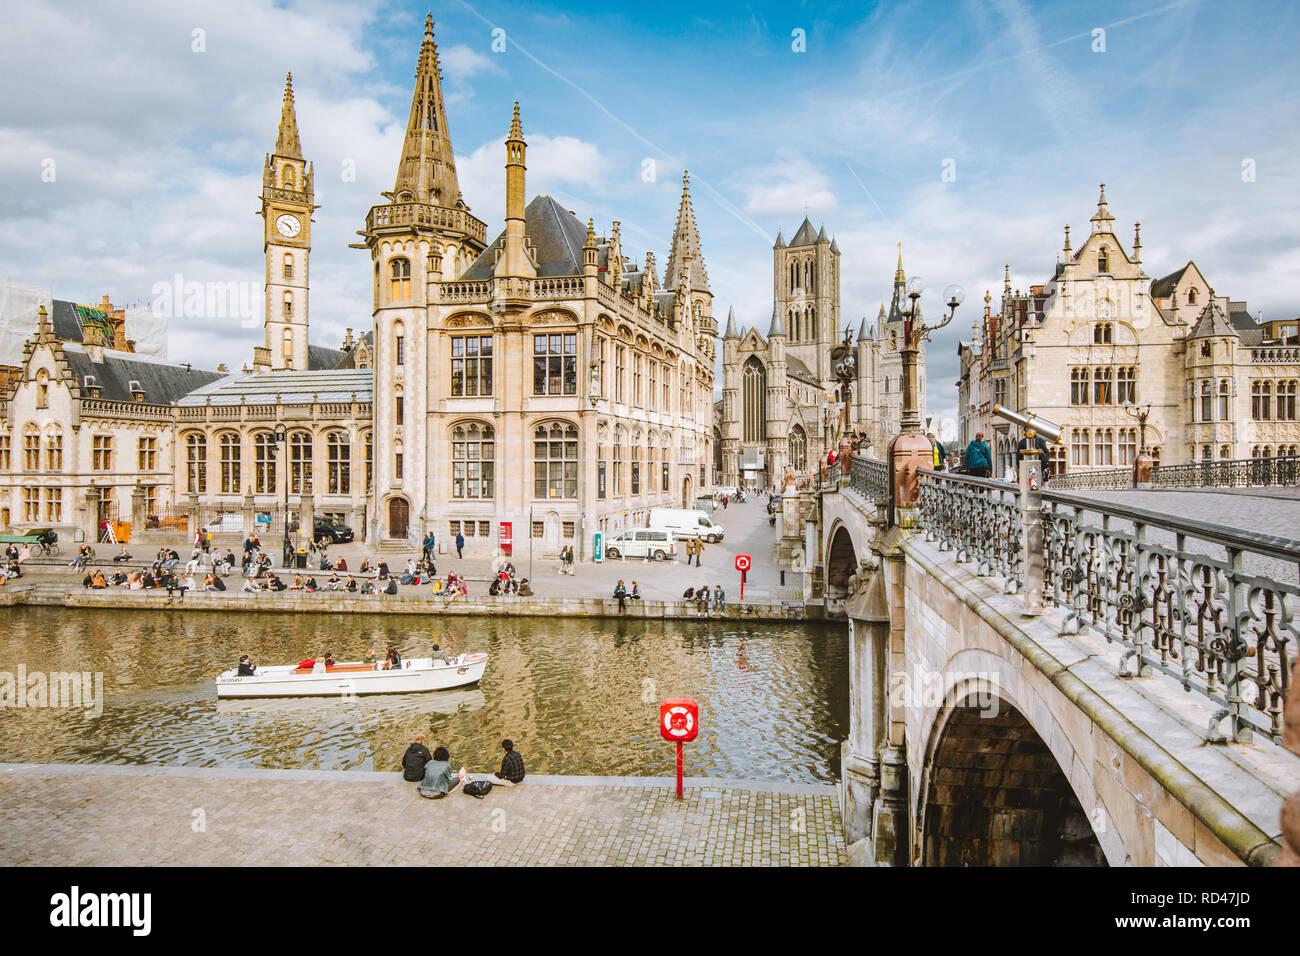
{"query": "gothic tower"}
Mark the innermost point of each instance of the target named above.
(806, 276)
(287, 195)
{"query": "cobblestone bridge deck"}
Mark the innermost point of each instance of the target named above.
(101, 815)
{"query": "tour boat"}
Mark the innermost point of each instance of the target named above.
(353, 678)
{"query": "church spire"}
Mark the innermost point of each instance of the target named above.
(731, 332)
(427, 170)
(686, 242)
(1102, 220)
(286, 144)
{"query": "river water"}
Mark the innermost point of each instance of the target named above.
(578, 696)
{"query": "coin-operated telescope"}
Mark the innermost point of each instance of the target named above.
(1039, 426)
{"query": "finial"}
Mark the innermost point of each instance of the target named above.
(428, 25)
(686, 180)
(1067, 237)
(591, 233)
(516, 131)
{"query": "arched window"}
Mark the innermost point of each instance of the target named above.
(229, 448)
(794, 274)
(399, 344)
(54, 450)
(31, 448)
(810, 326)
(1223, 400)
(338, 459)
(1103, 333)
(368, 439)
(1207, 401)
(288, 265)
(287, 308)
(798, 448)
(399, 271)
(264, 448)
(300, 456)
(1261, 401)
(1191, 296)
(1103, 260)
(754, 399)
(287, 177)
(473, 461)
(286, 345)
(196, 463)
(555, 461)
(42, 389)
(1286, 401)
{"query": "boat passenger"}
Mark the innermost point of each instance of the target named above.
(329, 658)
(318, 666)
(393, 660)
(370, 657)
(414, 760)
(246, 667)
(438, 780)
(438, 656)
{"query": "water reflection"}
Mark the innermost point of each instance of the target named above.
(579, 696)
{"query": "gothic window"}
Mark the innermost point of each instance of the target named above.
(620, 372)
(1079, 380)
(654, 384)
(1079, 446)
(1191, 296)
(555, 461)
(399, 273)
(287, 177)
(264, 448)
(338, 457)
(287, 308)
(1126, 381)
(196, 463)
(1207, 401)
(399, 347)
(1103, 386)
(1103, 260)
(471, 366)
(810, 326)
(794, 275)
(636, 468)
(147, 453)
(1105, 438)
(1127, 446)
(798, 448)
(370, 460)
(54, 451)
(229, 447)
(1207, 349)
(101, 452)
(1286, 404)
(1261, 401)
(1223, 400)
(5, 451)
(1225, 451)
(300, 455)
(1102, 333)
(555, 364)
(473, 461)
(755, 400)
(288, 266)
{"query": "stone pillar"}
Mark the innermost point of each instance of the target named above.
(1290, 855)
(191, 516)
(91, 517)
(1142, 469)
(357, 522)
(250, 515)
(138, 517)
(306, 514)
(868, 615)
(1031, 524)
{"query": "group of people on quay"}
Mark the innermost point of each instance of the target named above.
(432, 774)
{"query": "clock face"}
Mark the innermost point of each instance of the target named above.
(288, 226)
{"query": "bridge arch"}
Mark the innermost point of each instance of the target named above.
(842, 557)
(993, 794)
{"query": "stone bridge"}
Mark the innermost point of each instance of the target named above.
(1114, 699)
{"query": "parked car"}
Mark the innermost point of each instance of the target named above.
(642, 543)
(228, 523)
(685, 523)
(324, 528)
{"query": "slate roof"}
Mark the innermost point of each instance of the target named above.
(1211, 322)
(320, 358)
(162, 383)
(1162, 287)
(293, 388)
(796, 367)
(557, 238)
(66, 321)
(805, 236)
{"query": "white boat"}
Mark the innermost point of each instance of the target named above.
(353, 678)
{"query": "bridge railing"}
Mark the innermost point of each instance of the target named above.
(1210, 606)
(869, 477)
(1224, 473)
(978, 518)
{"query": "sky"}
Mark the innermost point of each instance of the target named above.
(132, 138)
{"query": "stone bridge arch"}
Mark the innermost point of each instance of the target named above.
(991, 792)
(843, 554)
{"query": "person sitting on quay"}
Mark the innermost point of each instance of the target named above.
(702, 599)
(342, 564)
(390, 588)
(688, 594)
(250, 585)
(512, 766)
(97, 580)
(365, 566)
(335, 583)
(525, 589)
(246, 666)
(351, 585)
(136, 581)
(635, 593)
(719, 598)
(383, 570)
(438, 779)
(187, 583)
(620, 595)
(84, 554)
(273, 583)
(171, 561)
(119, 578)
(415, 759)
(121, 555)
(208, 582)
(297, 584)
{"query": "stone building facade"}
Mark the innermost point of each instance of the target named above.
(540, 385)
(1101, 335)
(781, 398)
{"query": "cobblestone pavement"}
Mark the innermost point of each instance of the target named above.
(747, 532)
(99, 815)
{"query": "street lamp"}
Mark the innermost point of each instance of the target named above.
(1144, 463)
(845, 366)
(281, 434)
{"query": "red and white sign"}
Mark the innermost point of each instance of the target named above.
(507, 537)
(679, 722)
(742, 562)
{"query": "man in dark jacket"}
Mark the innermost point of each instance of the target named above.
(512, 766)
(979, 457)
(413, 761)
(460, 544)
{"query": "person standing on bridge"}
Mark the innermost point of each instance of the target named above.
(979, 457)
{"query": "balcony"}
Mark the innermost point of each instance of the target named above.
(399, 215)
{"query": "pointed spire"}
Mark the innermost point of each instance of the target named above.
(821, 236)
(862, 331)
(900, 278)
(731, 332)
(780, 240)
(834, 246)
(286, 144)
(1101, 221)
(427, 169)
(516, 131)
(777, 327)
(1137, 242)
(1006, 279)
(685, 249)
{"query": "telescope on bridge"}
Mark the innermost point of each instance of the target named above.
(1041, 426)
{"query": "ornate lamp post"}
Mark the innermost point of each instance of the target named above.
(1144, 463)
(281, 434)
(910, 449)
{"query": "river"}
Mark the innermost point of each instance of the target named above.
(577, 695)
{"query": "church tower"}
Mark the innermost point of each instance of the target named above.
(806, 276)
(287, 195)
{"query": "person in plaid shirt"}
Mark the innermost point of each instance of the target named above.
(512, 766)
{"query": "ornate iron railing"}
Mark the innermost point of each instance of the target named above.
(869, 477)
(978, 518)
(1224, 473)
(1202, 603)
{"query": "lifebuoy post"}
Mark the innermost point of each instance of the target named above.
(679, 722)
(743, 564)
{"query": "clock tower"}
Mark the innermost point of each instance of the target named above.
(287, 195)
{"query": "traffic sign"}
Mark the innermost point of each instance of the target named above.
(679, 722)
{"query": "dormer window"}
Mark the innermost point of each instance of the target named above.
(1103, 260)
(1102, 333)
(136, 390)
(1191, 296)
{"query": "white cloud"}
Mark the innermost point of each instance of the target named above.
(553, 161)
(785, 187)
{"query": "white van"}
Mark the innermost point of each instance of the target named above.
(642, 543)
(685, 523)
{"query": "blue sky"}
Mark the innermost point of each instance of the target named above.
(158, 147)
